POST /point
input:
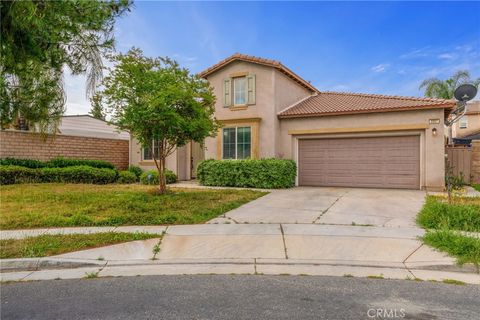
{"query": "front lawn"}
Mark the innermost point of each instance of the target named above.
(49, 245)
(463, 214)
(68, 205)
(476, 187)
(445, 222)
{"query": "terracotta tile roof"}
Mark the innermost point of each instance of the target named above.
(266, 62)
(335, 103)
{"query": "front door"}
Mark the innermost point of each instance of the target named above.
(198, 155)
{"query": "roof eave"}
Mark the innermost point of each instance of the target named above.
(326, 114)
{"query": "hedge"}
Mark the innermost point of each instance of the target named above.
(126, 177)
(252, 173)
(56, 163)
(75, 174)
(136, 170)
(151, 177)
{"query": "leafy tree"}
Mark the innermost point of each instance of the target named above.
(41, 38)
(97, 110)
(444, 89)
(161, 104)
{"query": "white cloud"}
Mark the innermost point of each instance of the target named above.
(446, 56)
(417, 53)
(380, 67)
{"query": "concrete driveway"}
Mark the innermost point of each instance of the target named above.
(335, 206)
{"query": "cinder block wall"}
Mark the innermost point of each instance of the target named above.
(29, 145)
(475, 167)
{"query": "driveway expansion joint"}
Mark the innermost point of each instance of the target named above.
(284, 244)
(325, 211)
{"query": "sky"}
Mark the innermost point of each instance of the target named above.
(367, 47)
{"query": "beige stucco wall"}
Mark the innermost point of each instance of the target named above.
(473, 121)
(274, 92)
(432, 147)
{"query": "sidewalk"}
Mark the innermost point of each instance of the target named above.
(254, 249)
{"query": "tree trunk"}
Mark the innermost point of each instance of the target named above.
(161, 177)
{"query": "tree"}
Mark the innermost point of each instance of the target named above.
(161, 104)
(97, 110)
(444, 89)
(41, 38)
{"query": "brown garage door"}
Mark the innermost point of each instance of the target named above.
(374, 162)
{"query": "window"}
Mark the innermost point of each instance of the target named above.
(147, 152)
(237, 143)
(239, 91)
(463, 123)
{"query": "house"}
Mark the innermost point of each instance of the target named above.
(337, 139)
(79, 136)
(468, 127)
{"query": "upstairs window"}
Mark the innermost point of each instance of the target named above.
(463, 123)
(240, 91)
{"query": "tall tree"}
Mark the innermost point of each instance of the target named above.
(97, 110)
(39, 39)
(444, 89)
(161, 104)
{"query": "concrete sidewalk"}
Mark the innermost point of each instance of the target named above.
(255, 249)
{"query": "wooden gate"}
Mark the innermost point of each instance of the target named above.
(460, 158)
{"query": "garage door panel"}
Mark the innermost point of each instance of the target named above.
(376, 162)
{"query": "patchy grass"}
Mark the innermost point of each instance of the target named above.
(476, 187)
(465, 249)
(453, 281)
(463, 214)
(50, 245)
(68, 205)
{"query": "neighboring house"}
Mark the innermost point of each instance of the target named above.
(468, 127)
(337, 139)
(81, 137)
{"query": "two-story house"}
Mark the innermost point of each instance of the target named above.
(468, 127)
(336, 139)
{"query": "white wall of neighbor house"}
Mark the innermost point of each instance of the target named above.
(432, 153)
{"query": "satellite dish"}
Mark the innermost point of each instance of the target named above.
(465, 92)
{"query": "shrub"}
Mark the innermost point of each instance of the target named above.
(16, 174)
(79, 174)
(136, 170)
(27, 163)
(253, 173)
(65, 162)
(151, 177)
(126, 177)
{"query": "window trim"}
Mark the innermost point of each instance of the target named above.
(236, 142)
(245, 93)
(143, 153)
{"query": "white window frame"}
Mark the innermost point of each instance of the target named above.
(143, 152)
(236, 142)
(234, 80)
(463, 122)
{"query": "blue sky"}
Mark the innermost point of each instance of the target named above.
(370, 47)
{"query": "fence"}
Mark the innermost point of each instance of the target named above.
(460, 158)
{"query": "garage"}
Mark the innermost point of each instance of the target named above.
(371, 162)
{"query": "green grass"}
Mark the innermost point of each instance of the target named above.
(463, 214)
(476, 187)
(68, 205)
(49, 245)
(465, 249)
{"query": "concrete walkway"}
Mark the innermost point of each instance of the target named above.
(390, 252)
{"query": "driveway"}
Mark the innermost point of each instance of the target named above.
(334, 206)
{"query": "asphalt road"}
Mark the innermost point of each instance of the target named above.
(238, 297)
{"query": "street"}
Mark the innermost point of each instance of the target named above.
(238, 297)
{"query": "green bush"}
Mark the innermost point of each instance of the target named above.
(136, 170)
(17, 174)
(126, 177)
(79, 174)
(28, 163)
(252, 173)
(65, 162)
(438, 214)
(151, 177)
